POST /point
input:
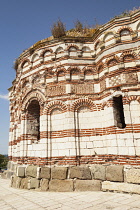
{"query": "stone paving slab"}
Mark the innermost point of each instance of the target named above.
(19, 199)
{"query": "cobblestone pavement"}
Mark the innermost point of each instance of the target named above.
(11, 198)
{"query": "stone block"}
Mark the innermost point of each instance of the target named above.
(15, 181)
(34, 183)
(31, 171)
(87, 185)
(115, 173)
(24, 183)
(59, 173)
(120, 187)
(21, 171)
(79, 172)
(45, 173)
(14, 167)
(61, 185)
(98, 172)
(133, 176)
(44, 184)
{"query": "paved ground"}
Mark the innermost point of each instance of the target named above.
(11, 198)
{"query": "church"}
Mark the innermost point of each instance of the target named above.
(75, 105)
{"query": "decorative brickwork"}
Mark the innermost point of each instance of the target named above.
(82, 88)
(102, 85)
(51, 105)
(114, 81)
(77, 100)
(131, 78)
(124, 28)
(56, 90)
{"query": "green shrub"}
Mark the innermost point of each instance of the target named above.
(3, 161)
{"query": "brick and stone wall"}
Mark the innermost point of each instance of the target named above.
(76, 100)
(97, 177)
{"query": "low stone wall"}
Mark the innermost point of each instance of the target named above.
(77, 178)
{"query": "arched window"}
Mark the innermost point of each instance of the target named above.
(118, 112)
(33, 121)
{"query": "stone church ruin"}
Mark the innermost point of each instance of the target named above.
(75, 111)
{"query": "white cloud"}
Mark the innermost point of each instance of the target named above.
(4, 97)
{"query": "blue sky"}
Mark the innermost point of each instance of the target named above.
(22, 23)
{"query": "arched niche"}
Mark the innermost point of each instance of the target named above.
(33, 95)
(60, 76)
(25, 65)
(72, 51)
(33, 121)
(74, 74)
(47, 55)
(86, 51)
(25, 86)
(57, 145)
(88, 74)
(135, 112)
(59, 52)
(109, 39)
(112, 62)
(125, 34)
(84, 124)
(128, 57)
(35, 60)
(97, 47)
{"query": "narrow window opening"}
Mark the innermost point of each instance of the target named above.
(118, 112)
